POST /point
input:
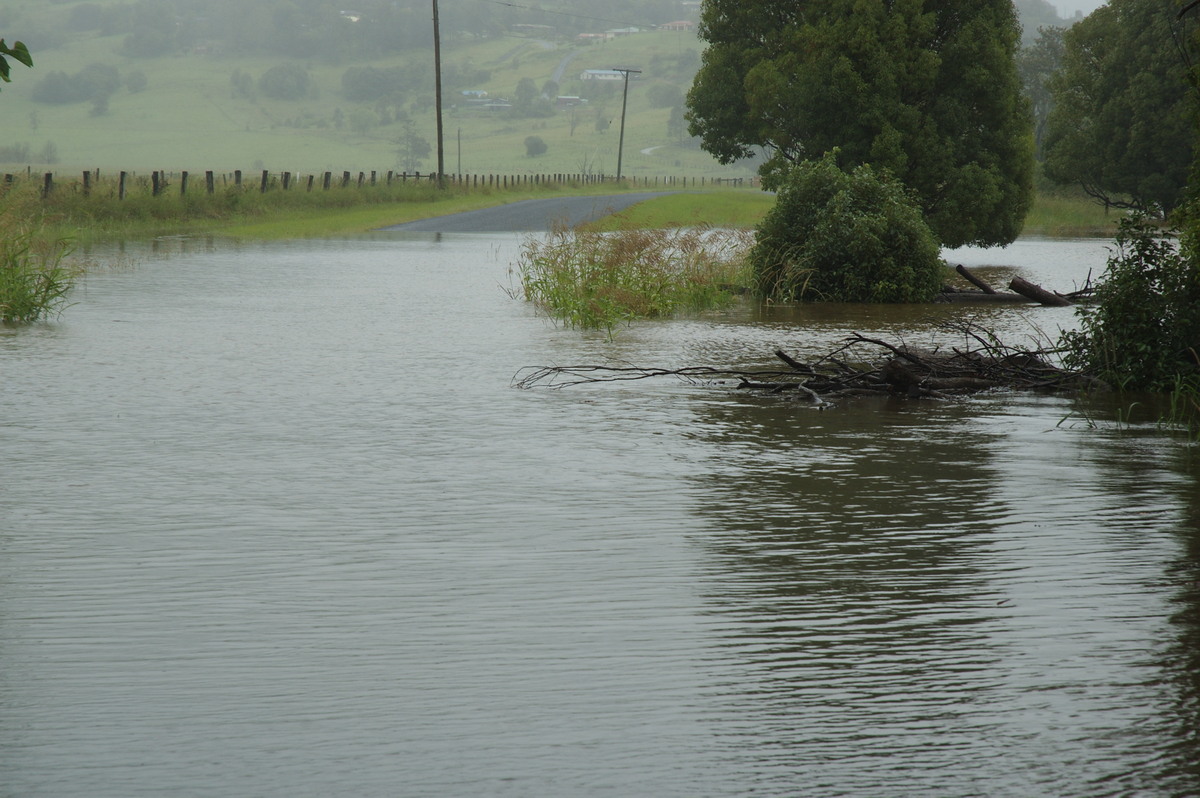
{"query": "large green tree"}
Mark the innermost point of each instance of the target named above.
(1122, 124)
(924, 89)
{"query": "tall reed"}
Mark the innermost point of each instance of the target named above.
(598, 280)
(34, 283)
(34, 276)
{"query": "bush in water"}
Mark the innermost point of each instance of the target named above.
(1143, 332)
(845, 237)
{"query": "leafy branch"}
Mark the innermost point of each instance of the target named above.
(18, 52)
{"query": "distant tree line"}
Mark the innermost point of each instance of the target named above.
(95, 83)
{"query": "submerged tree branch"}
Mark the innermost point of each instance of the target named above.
(858, 368)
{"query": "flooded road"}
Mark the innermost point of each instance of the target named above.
(275, 523)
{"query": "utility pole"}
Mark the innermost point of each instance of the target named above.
(437, 94)
(624, 101)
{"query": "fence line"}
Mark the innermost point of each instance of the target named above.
(161, 181)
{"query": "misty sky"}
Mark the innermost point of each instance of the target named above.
(1067, 8)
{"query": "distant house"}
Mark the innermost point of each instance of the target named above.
(602, 74)
(624, 31)
(474, 93)
(568, 101)
(681, 24)
(592, 38)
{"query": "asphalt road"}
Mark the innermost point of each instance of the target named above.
(535, 215)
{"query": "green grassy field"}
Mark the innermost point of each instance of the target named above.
(188, 118)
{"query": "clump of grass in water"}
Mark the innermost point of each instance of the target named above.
(34, 281)
(596, 280)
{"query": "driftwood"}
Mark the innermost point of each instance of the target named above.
(1020, 290)
(973, 280)
(845, 372)
(1037, 293)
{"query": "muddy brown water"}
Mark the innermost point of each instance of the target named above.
(273, 522)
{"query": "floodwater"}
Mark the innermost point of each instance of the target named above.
(274, 522)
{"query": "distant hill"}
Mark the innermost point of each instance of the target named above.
(283, 85)
(333, 85)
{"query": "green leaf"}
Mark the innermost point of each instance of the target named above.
(19, 52)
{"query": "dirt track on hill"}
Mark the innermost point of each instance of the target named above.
(535, 215)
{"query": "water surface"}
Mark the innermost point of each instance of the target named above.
(274, 522)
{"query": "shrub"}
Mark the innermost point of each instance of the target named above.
(368, 84)
(845, 237)
(535, 146)
(1143, 332)
(285, 82)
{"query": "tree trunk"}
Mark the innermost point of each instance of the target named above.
(1037, 293)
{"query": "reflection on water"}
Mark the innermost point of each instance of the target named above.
(274, 523)
(911, 595)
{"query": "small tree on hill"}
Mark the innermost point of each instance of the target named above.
(413, 148)
(535, 146)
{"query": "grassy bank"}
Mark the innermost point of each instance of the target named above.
(247, 212)
(1065, 216)
(1051, 215)
(98, 212)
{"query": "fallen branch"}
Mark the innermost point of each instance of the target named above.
(973, 280)
(1037, 293)
(846, 372)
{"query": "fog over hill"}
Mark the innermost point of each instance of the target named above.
(310, 85)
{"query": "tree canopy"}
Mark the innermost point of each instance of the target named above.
(924, 89)
(1123, 120)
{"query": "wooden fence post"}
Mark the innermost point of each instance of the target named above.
(345, 179)
(310, 183)
(325, 182)
(87, 184)
(237, 177)
(266, 180)
(47, 184)
(209, 185)
(121, 186)
(287, 180)
(183, 176)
